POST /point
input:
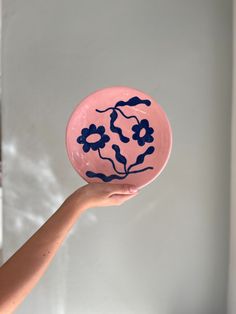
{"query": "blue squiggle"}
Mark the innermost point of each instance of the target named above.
(119, 157)
(116, 129)
(141, 157)
(140, 170)
(113, 164)
(105, 178)
(100, 111)
(102, 176)
(123, 114)
(127, 117)
(134, 101)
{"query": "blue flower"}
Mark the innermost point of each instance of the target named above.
(86, 132)
(140, 127)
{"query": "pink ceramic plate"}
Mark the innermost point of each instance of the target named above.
(119, 134)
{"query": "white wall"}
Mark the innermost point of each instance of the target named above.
(166, 251)
(232, 258)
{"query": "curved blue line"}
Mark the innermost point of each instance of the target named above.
(119, 157)
(141, 170)
(134, 101)
(113, 165)
(104, 110)
(127, 117)
(103, 177)
(116, 129)
(114, 108)
(141, 157)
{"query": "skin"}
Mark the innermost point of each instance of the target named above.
(21, 272)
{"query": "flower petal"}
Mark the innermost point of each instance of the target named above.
(149, 139)
(101, 129)
(135, 136)
(92, 128)
(80, 139)
(105, 138)
(141, 141)
(86, 147)
(96, 145)
(85, 132)
(150, 130)
(135, 127)
(145, 123)
(102, 145)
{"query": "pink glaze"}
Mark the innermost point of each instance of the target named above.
(85, 114)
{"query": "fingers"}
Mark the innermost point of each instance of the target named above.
(118, 199)
(121, 189)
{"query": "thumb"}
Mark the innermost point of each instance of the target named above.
(121, 198)
(122, 189)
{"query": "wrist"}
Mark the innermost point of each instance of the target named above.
(77, 201)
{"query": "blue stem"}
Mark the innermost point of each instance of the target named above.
(103, 177)
(127, 117)
(113, 165)
(114, 108)
(116, 129)
(110, 108)
(141, 170)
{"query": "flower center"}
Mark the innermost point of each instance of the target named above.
(142, 132)
(93, 138)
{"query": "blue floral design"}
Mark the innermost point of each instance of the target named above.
(120, 158)
(86, 132)
(147, 137)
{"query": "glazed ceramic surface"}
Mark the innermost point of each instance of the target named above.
(119, 134)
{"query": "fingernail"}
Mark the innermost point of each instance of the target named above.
(133, 189)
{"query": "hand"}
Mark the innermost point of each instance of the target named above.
(23, 270)
(102, 194)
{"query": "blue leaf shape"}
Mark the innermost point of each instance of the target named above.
(116, 129)
(103, 177)
(134, 101)
(118, 155)
(141, 157)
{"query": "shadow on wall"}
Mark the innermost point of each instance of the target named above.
(31, 194)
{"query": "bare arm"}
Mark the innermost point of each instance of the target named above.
(23, 270)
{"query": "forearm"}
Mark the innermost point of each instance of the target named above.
(23, 270)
